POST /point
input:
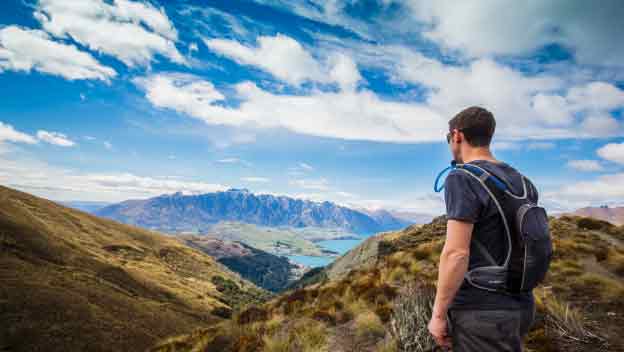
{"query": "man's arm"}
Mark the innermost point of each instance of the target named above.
(453, 266)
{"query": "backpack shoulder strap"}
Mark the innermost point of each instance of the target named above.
(495, 188)
(481, 248)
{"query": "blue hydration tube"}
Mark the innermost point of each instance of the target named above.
(436, 187)
(472, 169)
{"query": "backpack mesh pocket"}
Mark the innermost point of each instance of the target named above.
(535, 238)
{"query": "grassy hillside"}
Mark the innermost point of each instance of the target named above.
(70, 281)
(382, 303)
(275, 240)
(266, 270)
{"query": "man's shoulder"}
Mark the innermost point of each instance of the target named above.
(462, 175)
(460, 180)
(457, 176)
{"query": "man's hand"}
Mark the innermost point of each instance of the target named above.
(439, 330)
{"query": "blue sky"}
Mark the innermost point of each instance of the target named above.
(346, 101)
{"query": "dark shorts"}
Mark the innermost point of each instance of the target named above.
(489, 330)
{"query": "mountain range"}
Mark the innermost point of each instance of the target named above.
(614, 215)
(196, 214)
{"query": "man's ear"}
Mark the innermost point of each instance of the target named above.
(459, 136)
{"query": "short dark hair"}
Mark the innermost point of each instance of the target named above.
(477, 124)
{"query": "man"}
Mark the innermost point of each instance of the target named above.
(466, 318)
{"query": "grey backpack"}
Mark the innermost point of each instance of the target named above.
(529, 242)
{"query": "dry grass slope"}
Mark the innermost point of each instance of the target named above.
(70, 281)
(580, 306)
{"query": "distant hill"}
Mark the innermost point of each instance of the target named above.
(85, 206)
(278, 240)
(178, 213)
(378, 296)
(70, 281)
(614, 215)
(266, 270)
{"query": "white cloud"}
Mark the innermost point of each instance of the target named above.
(148, 185)
(26, 50)
(306, 166)
(131, 31)
(554, 109)
(585, 165)
(229, 160)
(603, 189)
(504, 91)
(519, 27)
(601, 125)
(35, 176)
(349, 115)
(108, 145)
(525, 106)
(421, 204)
(321, 184)
(192, 47)
(234, 160)
(255, 179)
(596, 96)
(591, 103)
(505, 145)
(591, 98)
(612, 152)
(287, 60)
(55, 138)
(344, 71)
(281, 56)
(515, 145)
(483, 27)
(9, 134)
(540, 145)
(325, 12)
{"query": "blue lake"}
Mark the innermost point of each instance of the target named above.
(340, 246)
(310, 261)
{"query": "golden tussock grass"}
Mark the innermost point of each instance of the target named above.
(301, 335)
(368, 324)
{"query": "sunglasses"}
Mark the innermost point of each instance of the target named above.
(450, 135)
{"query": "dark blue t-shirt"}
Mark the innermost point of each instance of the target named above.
(467, 200)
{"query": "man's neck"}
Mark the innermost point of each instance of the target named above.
(478, 154)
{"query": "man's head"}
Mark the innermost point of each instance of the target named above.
(470, 129)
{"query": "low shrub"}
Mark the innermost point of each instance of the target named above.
(325, 317)
(302, 335)
(593, 224)
(599, 286)
(222, 312)
(387, 345)
(368, 325)
(384, 313)
(615, 261)
(412, 311)
(564, 322)
(397, 274)
(252, 314)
